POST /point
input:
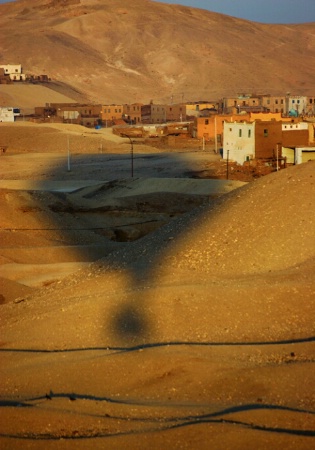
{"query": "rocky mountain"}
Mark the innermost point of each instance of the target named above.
(122, 51)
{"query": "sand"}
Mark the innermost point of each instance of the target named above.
(189, 324)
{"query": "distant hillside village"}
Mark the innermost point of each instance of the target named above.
(248, 129)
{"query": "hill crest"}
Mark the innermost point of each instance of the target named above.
(148, 50)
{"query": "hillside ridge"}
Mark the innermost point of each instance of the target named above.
(116, 53)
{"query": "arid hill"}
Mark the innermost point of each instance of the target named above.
(136, 51)
(202, 331)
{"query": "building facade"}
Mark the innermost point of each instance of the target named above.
(132, 113)
(14, 71)
(153, 113)
(110, 113)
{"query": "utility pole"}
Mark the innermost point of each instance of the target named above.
(68, 140)
(131, 152)
(227, 164)
(215, 135)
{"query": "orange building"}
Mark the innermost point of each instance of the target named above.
(212, 126)
(110, 113)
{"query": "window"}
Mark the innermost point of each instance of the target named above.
(239, 133)
(207, 122)
(282, 101)
(298, 101)
(249, 133)
(265, 132)
(293, 101)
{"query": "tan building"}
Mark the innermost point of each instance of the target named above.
(110, 113)
(82, 114)
(242, 103)
(132, 113)
(153, 113)
(310, 106)
(176, 112)
(274, 104)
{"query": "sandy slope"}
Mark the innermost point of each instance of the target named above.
(200, 332)
(114, 52)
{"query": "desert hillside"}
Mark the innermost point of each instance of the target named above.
(177, 312)
(110, 51)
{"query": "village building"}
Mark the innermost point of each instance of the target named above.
(274, 104)
(132, 113)
(200, 109)
(211, 128)
(7, 114)
(243, 103)
(298, 142)
(110, 113)
(14, 71)
(296, 105)
(82, 114)
(246, 141)
(310, 107)
(291, 141)
(153, 113)
(176, 112)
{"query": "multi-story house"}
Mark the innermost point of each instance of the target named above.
(242, 103)
(297, 141)
(132, 113)
(14, 71)
(310, 107)
(292, 141)
(176, 112)
(296, 105)
(110, 113)
(274, 104)
(153, 113)
(211, 128)
(244, 141)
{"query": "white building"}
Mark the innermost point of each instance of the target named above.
(7, 114)
(296, 105)
(14, 71)
(304, 154)
(239, 141)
